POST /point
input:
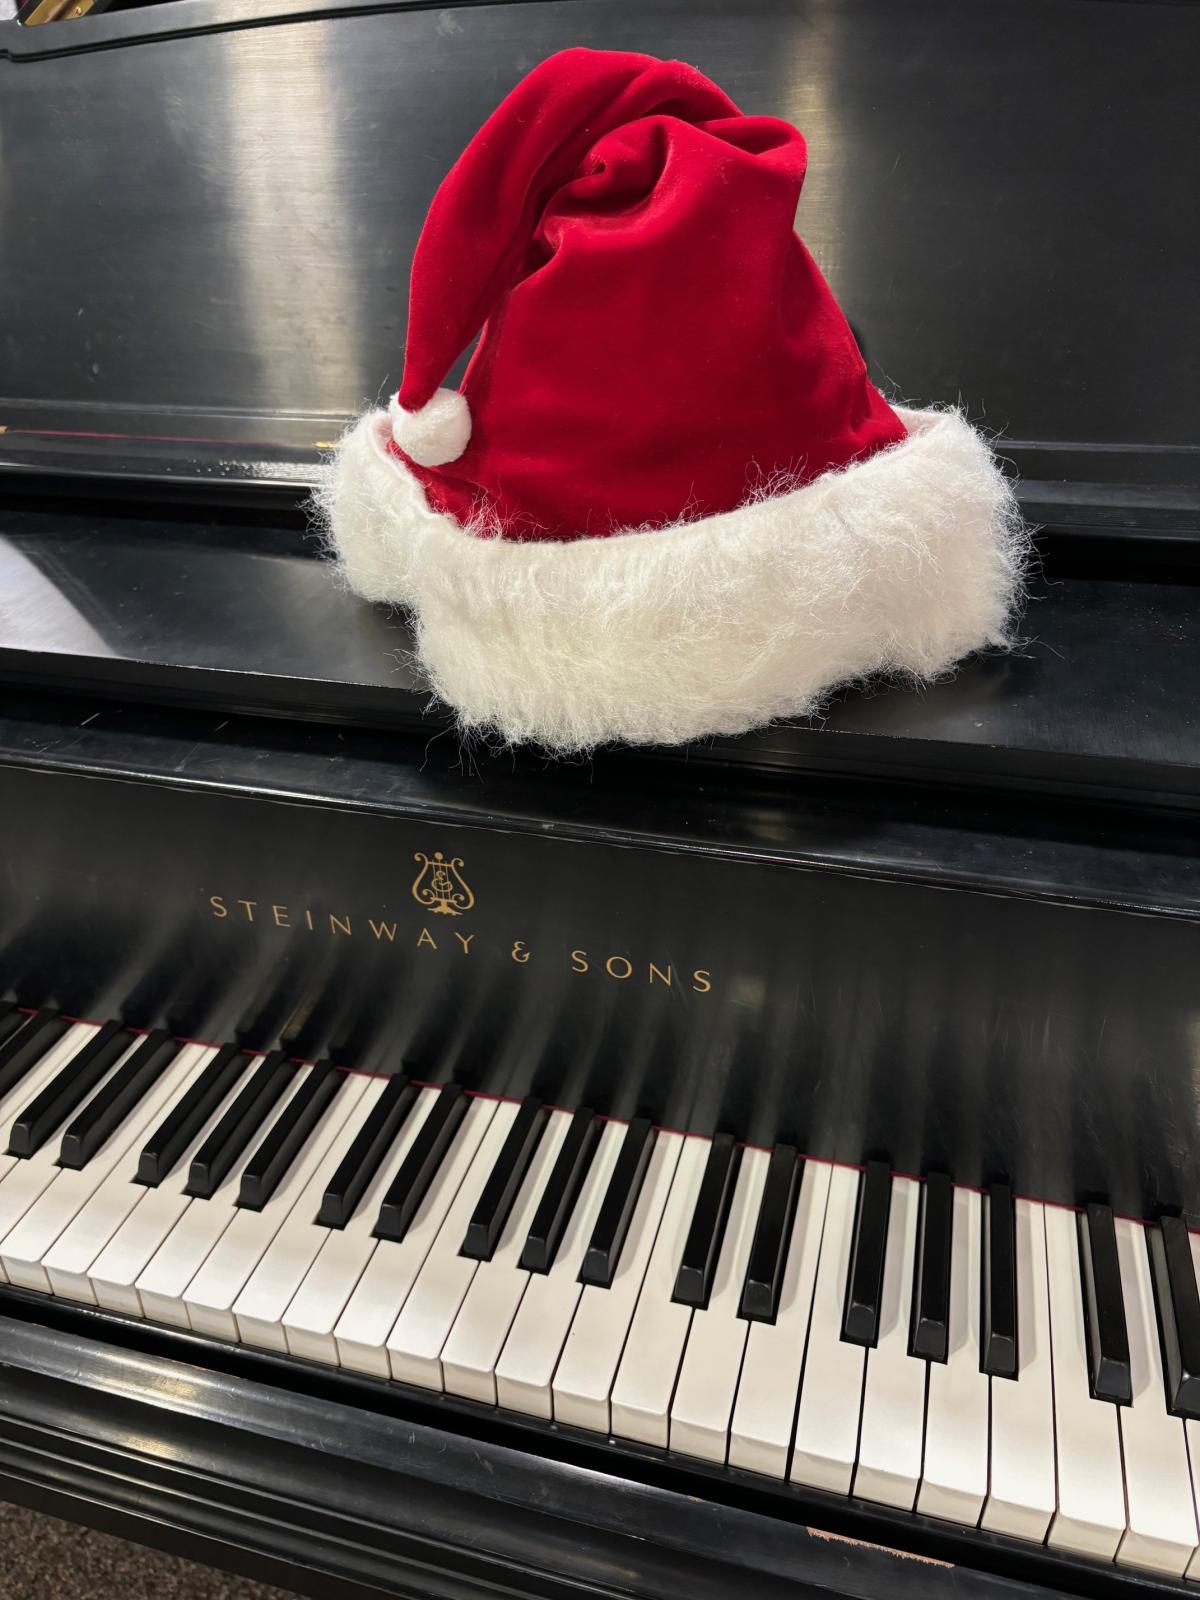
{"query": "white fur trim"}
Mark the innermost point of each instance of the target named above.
(439, 432)
(902, 563)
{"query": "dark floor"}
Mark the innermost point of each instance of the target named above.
(44, 1559)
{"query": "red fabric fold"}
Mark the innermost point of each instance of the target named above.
(657, 344)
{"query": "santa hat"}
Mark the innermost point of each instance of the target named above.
(666, 501)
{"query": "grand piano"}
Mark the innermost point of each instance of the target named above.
(766, 1166)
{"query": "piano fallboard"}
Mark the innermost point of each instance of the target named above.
(852, 972)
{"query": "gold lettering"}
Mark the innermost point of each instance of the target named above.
(613, 962)
(308, 919)
(249, 906)
(382, 930)
(579, 960)
(280, 913)
(663, 977)
(464, 939)
(519, 953)
(427, 938)
(339, 924)
(701, 981)
(220, 909)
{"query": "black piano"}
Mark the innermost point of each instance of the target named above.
(765, 1167)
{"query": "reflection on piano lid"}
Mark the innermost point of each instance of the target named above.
(218, 319)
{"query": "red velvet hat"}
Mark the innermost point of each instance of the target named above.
(666, 501)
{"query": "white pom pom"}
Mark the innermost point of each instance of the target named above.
(437, 433)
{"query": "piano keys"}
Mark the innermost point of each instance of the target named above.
(935, 1434)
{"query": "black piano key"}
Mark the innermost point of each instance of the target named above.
(242, 1121)
(929, 1330)
(268, 1166)
(67, 1089)
(500, 1190)
(106, 1110)
(768, 1253)
(998, 1353)
(562, 1190)
(1178, 1313)
(422, 1160)
(27, 1043)
(1104, 1306)
(617, 1208)
(864, 1280)
(693, 1281)
(10, 1020)
(371, 1143)
(185, 1119)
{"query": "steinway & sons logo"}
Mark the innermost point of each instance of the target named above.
(440, 886)
(441, 889)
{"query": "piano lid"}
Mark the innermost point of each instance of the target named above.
(211, 208)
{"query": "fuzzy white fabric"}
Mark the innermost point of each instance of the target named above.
(439, 432)
(902, 563)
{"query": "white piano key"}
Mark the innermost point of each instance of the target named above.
(473, 1346)
(26, 1179)
(826, 1442)
(525, 1371)
(645, 1382)
(1090, 1519)
(267, 1292)
(1021, 1488)
(587, 1370)
(765, 1412)
(954, 1477)
(361, 1331)
(66, 1261)
(893, 1405)
(415, 1343)
(310, 1318)
(210, 1296)
(114, 1269)
(1160, 1529)
(31, 1084)
(702, 1405)
(162, 1282)
(112, 1167)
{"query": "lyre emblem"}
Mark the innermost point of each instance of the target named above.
(440, 886)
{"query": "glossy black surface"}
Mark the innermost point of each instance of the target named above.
(1178, 1313)
(242, 1121)
(417, 1170)
(929, 1332)
(70, 1085)
(1104, 1306)
(185, 1120)
(876, 970)
(496, 1200)
(361, 1162)
(603, 1253)
(289, 1132)
(772, 1236)
(706, 1229)
(562, 1188)
(1094, 703)
(999, 1352)
(108, 1108)
(217, 315)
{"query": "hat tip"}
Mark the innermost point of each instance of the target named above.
(437, 432)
